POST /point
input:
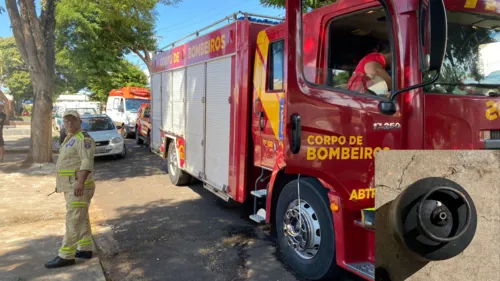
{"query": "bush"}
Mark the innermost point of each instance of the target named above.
(28, 108)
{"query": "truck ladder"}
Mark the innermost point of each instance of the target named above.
(233, 16)
(259, 216)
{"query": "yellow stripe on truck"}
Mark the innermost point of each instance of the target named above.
(270, 102)
(470, 4)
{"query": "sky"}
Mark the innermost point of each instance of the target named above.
(175, 22)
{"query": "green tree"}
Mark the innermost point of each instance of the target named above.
(308, 4)
(13, 71)
(128, 75)
(96, 34)
(35, 36)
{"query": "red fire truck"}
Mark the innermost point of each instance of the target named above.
(260, 111)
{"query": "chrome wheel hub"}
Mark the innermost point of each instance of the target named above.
(302, 230)
(172, 162)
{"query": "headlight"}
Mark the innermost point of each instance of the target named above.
(116, 140)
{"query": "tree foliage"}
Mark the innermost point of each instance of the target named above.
(98, 33)
(128, 75)
(308, 4)
(13, 71)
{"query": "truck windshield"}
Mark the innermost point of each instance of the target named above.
(132, 105)
(94, 124)
(472, 61)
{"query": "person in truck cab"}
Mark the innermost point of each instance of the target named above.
(371, 72)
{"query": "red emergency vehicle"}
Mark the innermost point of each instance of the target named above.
(143, 124)
(259, 112)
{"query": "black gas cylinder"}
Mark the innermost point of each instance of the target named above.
(435, 218)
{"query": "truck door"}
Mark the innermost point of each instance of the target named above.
(268, 98)
(335, 124)
(112, 110)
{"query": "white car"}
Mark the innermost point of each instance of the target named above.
(107, 139)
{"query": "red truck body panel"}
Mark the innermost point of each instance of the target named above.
(239, 39)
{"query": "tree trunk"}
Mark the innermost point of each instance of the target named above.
(35, 41)
(41, 120)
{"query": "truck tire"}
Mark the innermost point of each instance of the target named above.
(138, 139)
(177, 176)
(312, 254)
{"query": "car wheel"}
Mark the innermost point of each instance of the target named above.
(305, 230)
(177, 175)
(123, 154)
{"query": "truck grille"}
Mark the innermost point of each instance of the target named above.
(495, 134)
(101, 143)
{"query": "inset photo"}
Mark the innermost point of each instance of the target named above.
(437, 214)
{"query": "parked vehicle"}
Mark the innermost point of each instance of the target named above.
(260, 112)
(58, 119)
(107, 139)
(122, 107)
(82, 108)
(143, 125)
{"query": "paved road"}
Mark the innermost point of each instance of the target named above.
(152, 230)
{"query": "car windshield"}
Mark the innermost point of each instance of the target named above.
(472, 61)
(94, 124)
(132, 105)
(84, 111)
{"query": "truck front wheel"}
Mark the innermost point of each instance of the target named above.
(177, 175)
(305, 230)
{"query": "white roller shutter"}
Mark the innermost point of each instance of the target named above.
(167, 101)
(178, 91)
(156, 108)
(195, 111)
(217, 122)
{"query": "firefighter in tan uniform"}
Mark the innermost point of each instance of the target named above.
(74, 178)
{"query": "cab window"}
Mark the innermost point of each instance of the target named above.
(471, 65)
(116, 103)
(276, 66)
(358, 54)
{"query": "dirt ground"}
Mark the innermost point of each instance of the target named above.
(32, 226)
(478, 172)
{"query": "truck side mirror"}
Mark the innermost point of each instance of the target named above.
(432, 39)
(432, 34)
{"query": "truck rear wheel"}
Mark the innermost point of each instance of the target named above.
(138, 139)
(305, 232)
(177, 175)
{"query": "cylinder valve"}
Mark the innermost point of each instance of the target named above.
(435, 218)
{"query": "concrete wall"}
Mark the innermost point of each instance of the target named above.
(479, 173)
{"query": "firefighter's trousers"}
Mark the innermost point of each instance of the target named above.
(78, 233)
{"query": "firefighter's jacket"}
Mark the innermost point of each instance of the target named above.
(76, 154)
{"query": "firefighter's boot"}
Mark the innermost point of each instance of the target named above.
(83, 254)
(59, 262)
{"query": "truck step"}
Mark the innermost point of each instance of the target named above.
(261, 193)
(365, 268)
(257, 219)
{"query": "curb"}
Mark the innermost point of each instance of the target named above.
(23, 149)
